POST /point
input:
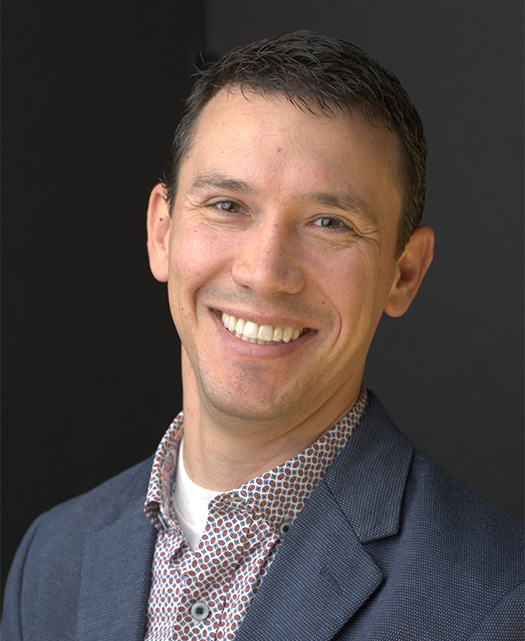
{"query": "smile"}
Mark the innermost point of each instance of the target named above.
(260, 334)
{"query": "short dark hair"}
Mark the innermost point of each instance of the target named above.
(315, 73)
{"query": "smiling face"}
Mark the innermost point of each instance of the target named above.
(280, 258)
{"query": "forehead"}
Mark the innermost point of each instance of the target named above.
(238, 108)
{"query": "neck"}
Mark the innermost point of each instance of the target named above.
(223, 452)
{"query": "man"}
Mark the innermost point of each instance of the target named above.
(283, 503)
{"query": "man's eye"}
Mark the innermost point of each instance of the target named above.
(229, 207)
(330, 223)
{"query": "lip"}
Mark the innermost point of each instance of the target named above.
(253, 351)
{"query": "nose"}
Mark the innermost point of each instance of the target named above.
(267, 261)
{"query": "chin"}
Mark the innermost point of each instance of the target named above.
(247, 406)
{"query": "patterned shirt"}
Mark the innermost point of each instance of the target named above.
(205, 594)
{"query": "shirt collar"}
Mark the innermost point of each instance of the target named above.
(158, 506)
(275, 496)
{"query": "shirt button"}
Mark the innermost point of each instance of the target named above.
(284, 527)
(199, 611)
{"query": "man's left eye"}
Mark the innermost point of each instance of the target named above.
(229, 207)
(330, 223)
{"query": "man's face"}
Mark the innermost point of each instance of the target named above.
(283, 219)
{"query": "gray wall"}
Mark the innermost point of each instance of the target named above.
(451, 371)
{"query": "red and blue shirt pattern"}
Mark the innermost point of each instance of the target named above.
(205, 594)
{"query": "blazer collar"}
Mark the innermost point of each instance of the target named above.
(116, 568)
(322, 573)
(368, 479)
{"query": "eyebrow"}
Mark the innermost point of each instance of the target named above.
(344, 202)
(222, 182)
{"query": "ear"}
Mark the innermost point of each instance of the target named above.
(159, 224)
(411, 268)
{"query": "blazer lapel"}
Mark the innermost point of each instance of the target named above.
(323, 573)
(116, 574)
(319, 578)
(368, 478)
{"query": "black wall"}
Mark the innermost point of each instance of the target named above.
(91, 94)
(92, 91)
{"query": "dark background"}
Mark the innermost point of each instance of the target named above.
(91, 94)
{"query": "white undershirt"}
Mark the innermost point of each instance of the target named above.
(191, 503)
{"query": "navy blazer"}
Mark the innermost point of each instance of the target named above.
(388, 547)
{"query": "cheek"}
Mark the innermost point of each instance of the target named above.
(195, 256)
(358, 289)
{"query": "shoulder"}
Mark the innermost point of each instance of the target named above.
(461, 553)
(453, 518)
(44, 581)
(448, 520)
(105, 499)
(68, 524)
(427, 493)
(456, 513)
(444, 552)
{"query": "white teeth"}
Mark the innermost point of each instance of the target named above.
(251, 329)
(265, 333)
(260, 334)
(239, 326)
